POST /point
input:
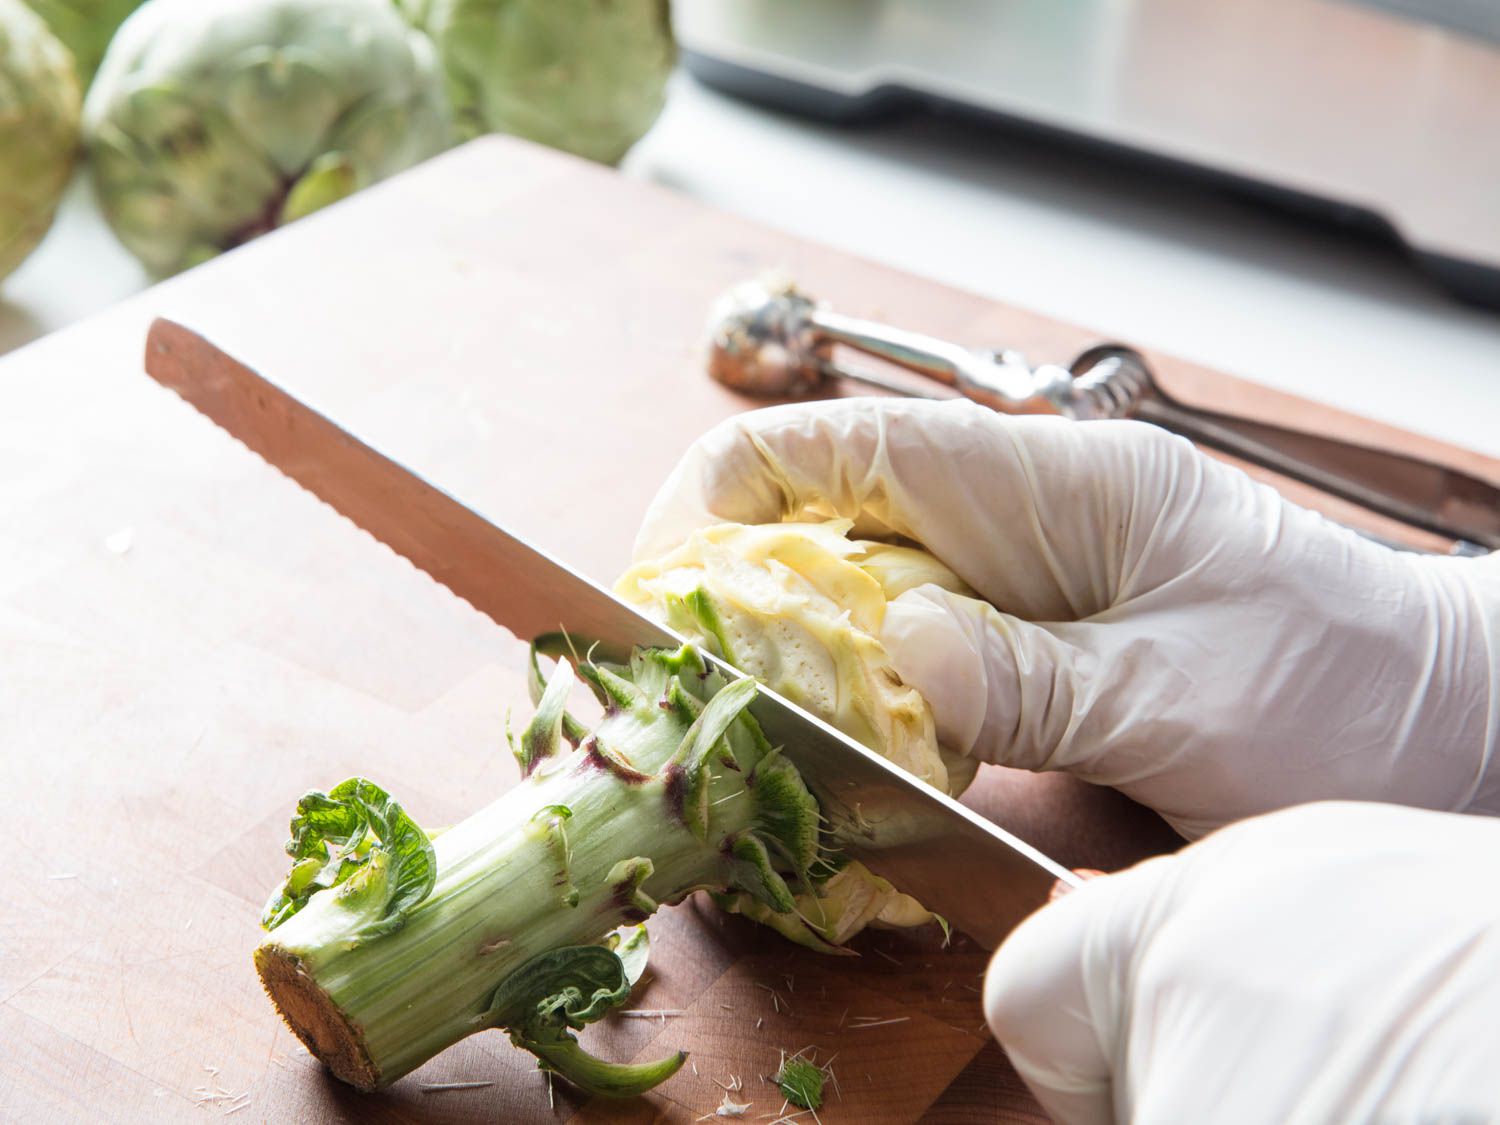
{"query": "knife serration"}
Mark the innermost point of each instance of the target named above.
(981, 878)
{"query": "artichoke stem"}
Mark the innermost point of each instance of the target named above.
(557, 863)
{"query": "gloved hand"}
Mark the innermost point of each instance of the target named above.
(1164, 624)
(1333, 962)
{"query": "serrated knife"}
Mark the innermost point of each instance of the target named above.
(981, 878)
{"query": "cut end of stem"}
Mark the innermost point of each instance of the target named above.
(314, 1018)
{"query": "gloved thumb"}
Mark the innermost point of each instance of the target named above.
(1005, 690)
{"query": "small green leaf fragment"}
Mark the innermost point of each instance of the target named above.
(802, 1082)
(632, 945)
(356, 838)
(946, 927)
(293, 894)
(536, 683)
(551, 823)
(543, 736)
(620, 691)
(566, 1058)
(698, 745)
(786, 810)
(588, 673)
(756, 874)
(536, 687)
(626, 878)
(694, 613)
(687, 707)
(791, 926)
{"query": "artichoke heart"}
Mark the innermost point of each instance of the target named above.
(799, 606)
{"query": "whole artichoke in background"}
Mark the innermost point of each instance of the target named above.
(38, 129)
(213, 121)
(85, 27)
(587, 76)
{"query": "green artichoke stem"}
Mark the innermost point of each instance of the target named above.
(404, 997)
(561, 860)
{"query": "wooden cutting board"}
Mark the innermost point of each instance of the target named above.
(189, 642)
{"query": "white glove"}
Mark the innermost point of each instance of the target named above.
(1334, 962)
(1165, 625)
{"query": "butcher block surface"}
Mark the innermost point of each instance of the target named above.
(190, 642)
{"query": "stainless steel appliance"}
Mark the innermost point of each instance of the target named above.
(1379, 113)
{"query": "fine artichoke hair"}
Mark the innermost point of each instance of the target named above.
(388, 945)
(585, 76)
(213, 121)
(85, 27)
(39, 101)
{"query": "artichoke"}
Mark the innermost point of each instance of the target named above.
(389, 944)
(38, 129)
(586, 76)
(799, 606)
(213, 121)
(85, 27)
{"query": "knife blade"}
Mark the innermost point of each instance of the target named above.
(981, 878)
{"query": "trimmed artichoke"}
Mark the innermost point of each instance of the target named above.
(388, 945)
(586, 76)
(85, 27)
(38, 129)
(213, 121)
(799, 606)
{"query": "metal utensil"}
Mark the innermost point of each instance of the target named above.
(772, 340)
(978, 876)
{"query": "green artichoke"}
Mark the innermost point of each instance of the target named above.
(587, 76)
(38, 129)
(84, 26)
(213, 121)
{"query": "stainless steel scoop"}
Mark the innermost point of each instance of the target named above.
(773, 341)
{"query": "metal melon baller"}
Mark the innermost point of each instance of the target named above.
(771, 340)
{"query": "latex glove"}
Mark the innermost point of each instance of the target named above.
(1333, 962)
(1166, 625)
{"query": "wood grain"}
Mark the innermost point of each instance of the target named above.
(190, 641)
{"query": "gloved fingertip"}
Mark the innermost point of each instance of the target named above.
(1032, 975)
(1064, 887)
(1036, 1003)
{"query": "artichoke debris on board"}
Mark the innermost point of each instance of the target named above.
(213, 121)
(39, 99)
